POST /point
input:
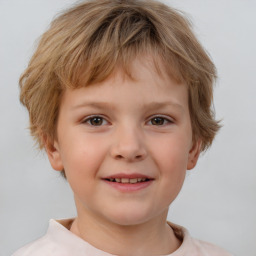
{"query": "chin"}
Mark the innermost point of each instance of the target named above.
(129, 218)
(129, 221)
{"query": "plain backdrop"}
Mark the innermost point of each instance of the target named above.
(218, 200)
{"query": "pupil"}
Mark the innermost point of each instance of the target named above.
(96, 121)
(158, 121)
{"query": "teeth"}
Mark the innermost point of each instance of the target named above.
(126, 180)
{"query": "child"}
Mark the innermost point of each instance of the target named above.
(119, 94)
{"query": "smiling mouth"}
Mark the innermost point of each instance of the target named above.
(128, 181)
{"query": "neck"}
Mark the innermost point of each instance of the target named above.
(154, 237)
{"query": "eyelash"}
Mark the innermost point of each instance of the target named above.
(89, 119)
(164, 119)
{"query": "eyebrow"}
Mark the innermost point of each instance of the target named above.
(160, 105)
(93, 104)
(150, 106)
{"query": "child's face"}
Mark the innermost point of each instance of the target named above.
(125, 130)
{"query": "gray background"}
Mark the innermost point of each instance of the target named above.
(217, 202)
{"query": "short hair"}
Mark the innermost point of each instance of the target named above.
(86, 43)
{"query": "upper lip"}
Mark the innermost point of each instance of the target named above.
(128, 176)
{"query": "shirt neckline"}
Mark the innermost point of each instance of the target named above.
(59, 232)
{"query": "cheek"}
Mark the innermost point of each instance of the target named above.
(81, 168)
(171, 157)
(82, 148)
(172, 153)
(82, 159)
(172, 166)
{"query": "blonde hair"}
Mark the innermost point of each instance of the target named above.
(86, 43)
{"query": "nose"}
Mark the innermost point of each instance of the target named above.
(129, 145)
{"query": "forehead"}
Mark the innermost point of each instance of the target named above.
(126, 63)
(150, 66)
(142, 84)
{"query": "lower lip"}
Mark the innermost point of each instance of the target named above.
(129, 187)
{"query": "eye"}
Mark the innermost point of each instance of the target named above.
(159, 121)
(95, 121)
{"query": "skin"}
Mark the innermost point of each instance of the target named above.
(126, 140)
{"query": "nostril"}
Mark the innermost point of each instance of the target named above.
(128, 153)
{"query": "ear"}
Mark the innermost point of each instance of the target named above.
(194, 154)
(53, 152)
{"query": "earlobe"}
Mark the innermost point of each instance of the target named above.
(194, 154)
(54, 156)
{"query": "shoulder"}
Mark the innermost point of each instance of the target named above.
(40, 247)
(208, 249)
(49, 244)
(194, 247)
(59, 241)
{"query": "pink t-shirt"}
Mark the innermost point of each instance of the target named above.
(59, 241)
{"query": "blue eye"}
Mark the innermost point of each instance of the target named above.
(95, 121)
(158, 120)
